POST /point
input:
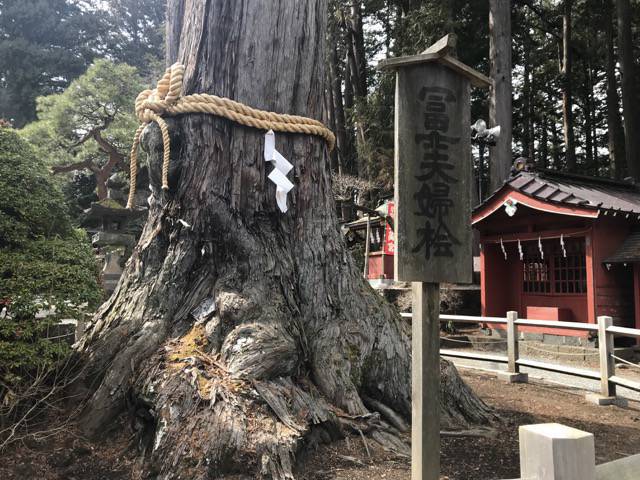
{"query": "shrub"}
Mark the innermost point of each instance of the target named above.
(45, 264)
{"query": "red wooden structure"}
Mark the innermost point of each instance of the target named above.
(561, 247)
(381, 244)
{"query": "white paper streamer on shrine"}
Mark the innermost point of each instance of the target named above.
(279, 174)
(564, 250)
(520, 250)
(504, 250)
(540, 247)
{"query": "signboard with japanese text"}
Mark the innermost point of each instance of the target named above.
(433, 171)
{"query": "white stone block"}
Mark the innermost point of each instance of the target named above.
(627, 468)
(551, 451)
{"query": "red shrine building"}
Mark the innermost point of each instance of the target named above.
(562, 247)
(377, 230)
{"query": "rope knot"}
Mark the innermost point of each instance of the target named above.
(157, 101)
(167, 100)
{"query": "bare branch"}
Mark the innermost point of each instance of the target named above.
(346, 186)
(83, 165)
(115, 156)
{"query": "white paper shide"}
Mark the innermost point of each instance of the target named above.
(279, 174)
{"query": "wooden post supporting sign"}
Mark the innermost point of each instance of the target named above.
(433, 175)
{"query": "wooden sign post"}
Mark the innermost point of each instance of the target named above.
(433, 182)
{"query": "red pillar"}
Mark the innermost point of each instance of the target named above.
(591, 283)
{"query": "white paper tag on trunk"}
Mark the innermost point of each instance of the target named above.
(278, 174)
(281, 181)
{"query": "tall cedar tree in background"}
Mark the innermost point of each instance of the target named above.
(237, 330)
(630, 90)
(566, 69)
(43, 46)
(134, 33)
(566, 106)
(564, 112)
(500, 102)
(615, 133)
(46, 44)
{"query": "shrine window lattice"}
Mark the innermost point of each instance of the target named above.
(560, 272)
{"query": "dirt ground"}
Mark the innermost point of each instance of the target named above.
(616, 430)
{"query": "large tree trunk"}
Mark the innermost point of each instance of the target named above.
(528, 149)
(543, 155)
(631, 111)
(567, 87)
(555, 145)
(238, 334)
(342, 139)
(615, 131)
(500, 110)
(357, 65)
(589, 121)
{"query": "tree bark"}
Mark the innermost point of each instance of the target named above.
(500, 106)
(330, 119)
(567, 88)
(631, 111)
(614, 122)
(239, 335)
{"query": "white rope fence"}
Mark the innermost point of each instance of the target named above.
(626, 362)
(568, 354)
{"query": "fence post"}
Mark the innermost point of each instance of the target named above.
(607, 395)
(513, 375)
(551, 451)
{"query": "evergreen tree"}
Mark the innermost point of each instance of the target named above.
(89, 126)
(135, 34)
(44, 44)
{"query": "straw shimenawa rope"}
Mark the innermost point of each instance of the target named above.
(167, 100)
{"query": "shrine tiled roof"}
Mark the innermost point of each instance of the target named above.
(605, 195)
(629, 251)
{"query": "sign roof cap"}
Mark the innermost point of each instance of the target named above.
(443, 52)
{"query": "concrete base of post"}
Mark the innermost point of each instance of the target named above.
(602, 401)
(513, 377)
